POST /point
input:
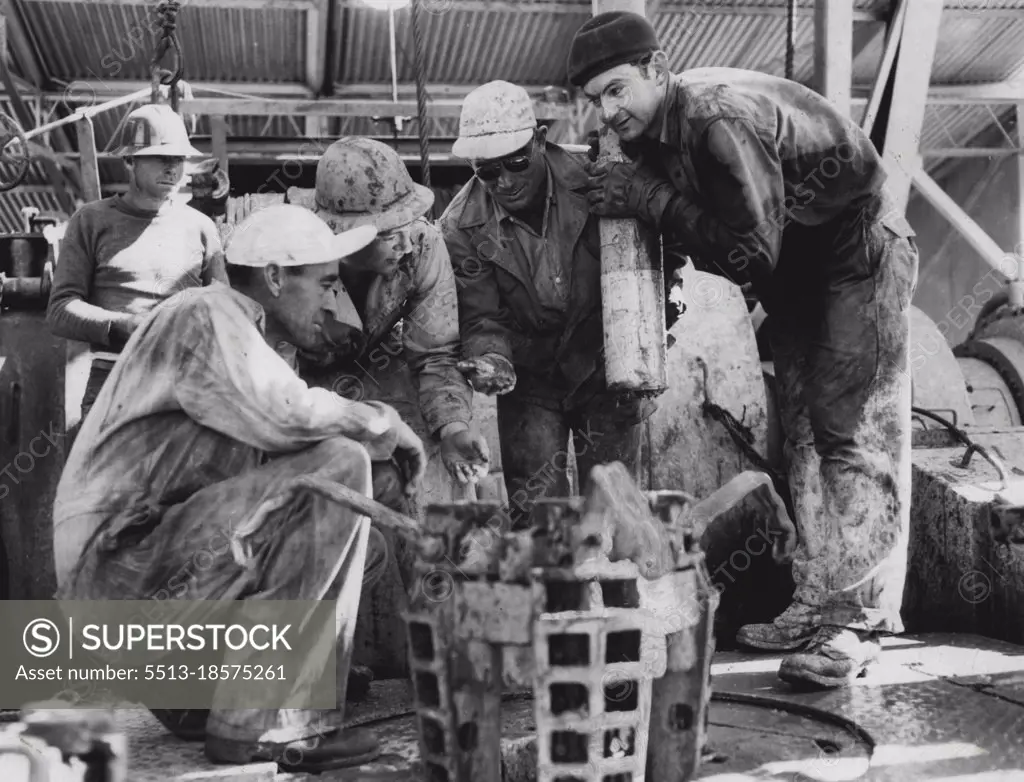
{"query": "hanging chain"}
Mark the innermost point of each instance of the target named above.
(167, 41)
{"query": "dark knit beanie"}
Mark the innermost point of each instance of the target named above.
(609, 39)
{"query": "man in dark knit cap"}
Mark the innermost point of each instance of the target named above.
(763, 181)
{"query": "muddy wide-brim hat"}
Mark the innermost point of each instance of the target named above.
(497, 119)
(360, 181)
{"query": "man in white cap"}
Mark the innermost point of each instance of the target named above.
(203, 422)
(526, 254)
(123, 255)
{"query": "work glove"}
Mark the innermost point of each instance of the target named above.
(466, 456)
(630, 149)
(628, 190)
(489, 374)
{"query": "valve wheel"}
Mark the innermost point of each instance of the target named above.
(14, 153)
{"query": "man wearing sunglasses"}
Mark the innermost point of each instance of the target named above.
(526, 254)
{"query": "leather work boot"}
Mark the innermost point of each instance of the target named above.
(332, 748)
(790, 630)
(833, 659)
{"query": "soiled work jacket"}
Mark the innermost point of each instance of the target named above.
(557, 354)
(756, 158)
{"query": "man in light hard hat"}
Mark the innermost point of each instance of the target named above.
(763, 181)
(526, 254)
(123, 255)
(404, 290)
(204, 436)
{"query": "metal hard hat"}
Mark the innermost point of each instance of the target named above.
(289, 235)
(497, 119)
(156, 130)
(360, 181)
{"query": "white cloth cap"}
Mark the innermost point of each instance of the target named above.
(290, 235)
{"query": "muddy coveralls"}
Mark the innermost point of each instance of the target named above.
(201, 423)
(775, 187)
(535, 299)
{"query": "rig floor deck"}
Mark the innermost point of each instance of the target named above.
(938, 707)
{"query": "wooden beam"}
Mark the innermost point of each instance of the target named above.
(959, 94)
(969, 152)
(893, 35)
(316, 47)
(79, 92)
(343, 108)
(91, 90)
(973, 233)
(693, 7)
(906, 109)
(1020, 179)
(219, 141)
(407, 90)
(317, 127)
(263, 151)
(833, 51)
(255, 5)
(88, 162)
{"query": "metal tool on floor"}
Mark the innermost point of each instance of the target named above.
(621, 663)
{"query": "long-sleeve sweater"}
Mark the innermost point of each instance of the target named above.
(117, 262)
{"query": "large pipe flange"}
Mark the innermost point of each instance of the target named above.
(1006, 357)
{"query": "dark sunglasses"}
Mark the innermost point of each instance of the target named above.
(514, 164)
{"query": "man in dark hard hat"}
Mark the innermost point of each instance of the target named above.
(763, 181)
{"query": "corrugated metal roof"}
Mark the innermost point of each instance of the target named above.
(956, 126)
(459, 47)
(977, 47)
(106, 42)
(467, 42)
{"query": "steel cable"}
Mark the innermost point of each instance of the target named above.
(421, 92)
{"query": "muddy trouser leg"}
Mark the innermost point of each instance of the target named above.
(605, 431)
(845, 380)
(790, 348)
(309, 548)
(534, 455)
